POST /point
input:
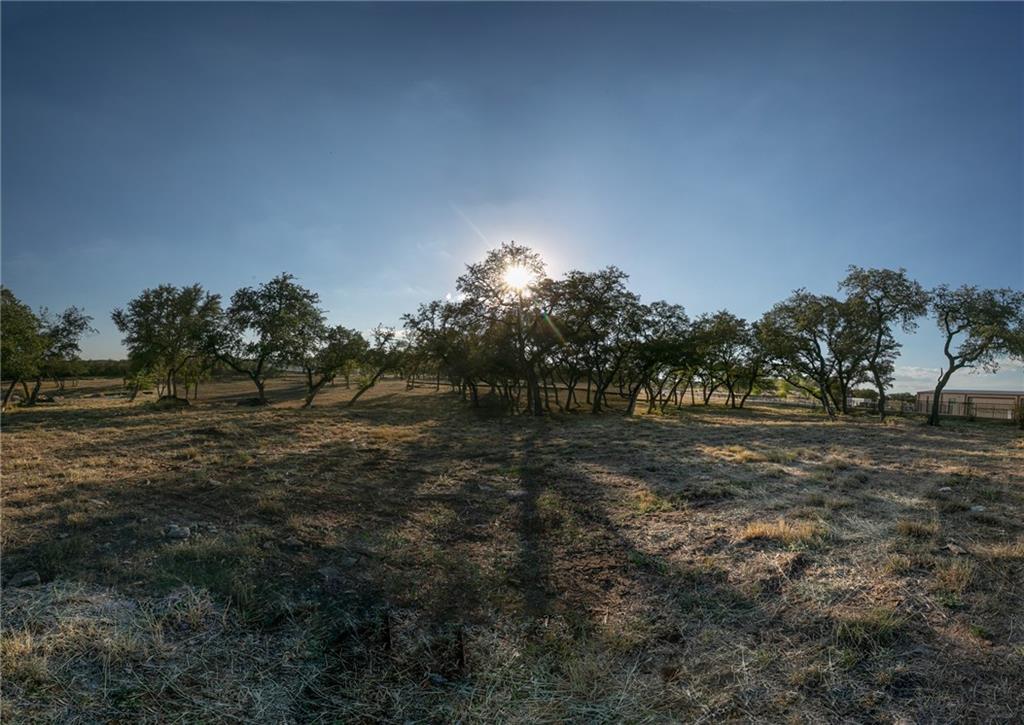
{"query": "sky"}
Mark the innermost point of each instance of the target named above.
(721, 154)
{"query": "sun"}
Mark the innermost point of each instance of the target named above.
(518, 277)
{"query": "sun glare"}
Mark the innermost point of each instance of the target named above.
(518, 277)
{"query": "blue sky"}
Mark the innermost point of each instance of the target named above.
(721, 154)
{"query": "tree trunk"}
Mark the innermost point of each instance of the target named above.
(35, 391)
(260, 385)
(570, 394)
(598, 395)
(671, 395)
(881, 394)
(7, 394)
(634, 393)
(370, 384)
(312, 389)
(536, 409)
(826, 400)
(933, 419)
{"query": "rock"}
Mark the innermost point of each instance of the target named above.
(26, 578)
(977, 509)
(177, 532)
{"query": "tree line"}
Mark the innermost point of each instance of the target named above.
(173, 333)
(38, 346)
(534, 344)
(175, 336)
(531, 341)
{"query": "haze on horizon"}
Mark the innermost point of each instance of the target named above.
(723, 155)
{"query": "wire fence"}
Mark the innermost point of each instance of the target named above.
(958, 409)
(686, 398)
(969, 409)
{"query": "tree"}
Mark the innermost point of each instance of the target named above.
(983, 324)
(890, 298)
(753, 366)
(796, 334)
(497, 295)
(21, 344)
(848, 333)
(722, 341)
(326, 351)
(260, 329)
(61, 337)
(661, 337)
(385, 354)
(606, 315)
(166, 327)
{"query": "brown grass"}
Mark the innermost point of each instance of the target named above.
(956, 576)
(411, 559)
(786, 532)
(917, 529)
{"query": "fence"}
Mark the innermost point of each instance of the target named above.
(968, 409)
(688, 399)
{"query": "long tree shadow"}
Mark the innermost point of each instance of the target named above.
(532, 565)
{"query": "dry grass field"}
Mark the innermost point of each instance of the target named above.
(414, 560)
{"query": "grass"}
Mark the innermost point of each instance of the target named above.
(876, 628)
(955, 577)
(646, 502)
(409, 559)
(1006, 551)
(917, 529)
(783, 531)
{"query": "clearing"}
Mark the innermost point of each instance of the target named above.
(411, 559)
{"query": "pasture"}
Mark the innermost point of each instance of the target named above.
(412, 559)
